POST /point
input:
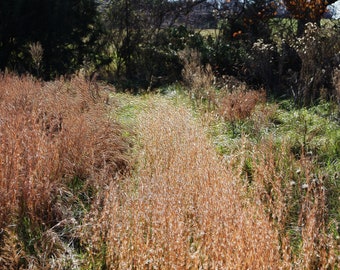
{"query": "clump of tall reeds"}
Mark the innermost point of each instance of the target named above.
(199, 79)
(58, 147)
(239, 105)
(295, 199)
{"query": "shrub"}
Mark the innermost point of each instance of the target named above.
(238, 105)
(262, 63)
(71, 34)
(198, 79)
(319, 53)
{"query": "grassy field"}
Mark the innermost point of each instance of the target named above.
(185, 179)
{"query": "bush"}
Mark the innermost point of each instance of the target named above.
(198, 79)
(262, 65)
(71, 34)
(319, 54)
(239, 105)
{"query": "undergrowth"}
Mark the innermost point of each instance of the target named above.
(220, 179)
(288, 158)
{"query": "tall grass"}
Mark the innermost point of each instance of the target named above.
(289, 162)
(184, 209)
(67, 201)
(296, 202)
(57, 149)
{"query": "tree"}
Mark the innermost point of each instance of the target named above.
(140, 34)
(241, 23)
(307, 11)
(66, 29)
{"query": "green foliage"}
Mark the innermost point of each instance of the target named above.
(311, 131)
(225, 55)
(29, 233)
(143, 50)
(289, 157)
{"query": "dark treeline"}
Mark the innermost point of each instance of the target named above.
(137, 43)
(67, 31)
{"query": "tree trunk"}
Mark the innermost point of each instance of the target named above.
(301, 27)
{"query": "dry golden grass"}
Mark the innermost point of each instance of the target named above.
(199, 79)
(184, 209)
(50, 134)
(239, 105)
(64, 187)
(295, 200)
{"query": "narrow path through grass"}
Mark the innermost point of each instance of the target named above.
(183, 209)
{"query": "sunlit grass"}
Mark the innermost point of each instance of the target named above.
(243, 183)
(58, 150)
